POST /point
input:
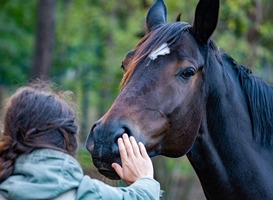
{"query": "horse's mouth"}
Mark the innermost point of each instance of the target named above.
(111, 174)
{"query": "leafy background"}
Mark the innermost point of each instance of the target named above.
(90, 39)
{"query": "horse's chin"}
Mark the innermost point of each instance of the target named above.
(109, 174)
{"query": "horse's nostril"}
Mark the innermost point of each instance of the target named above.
(128, 131)
(90, 138)
(93, 127)
(120, 131)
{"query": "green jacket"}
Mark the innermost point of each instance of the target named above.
(47, 174)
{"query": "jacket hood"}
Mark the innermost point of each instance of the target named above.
(42, 174)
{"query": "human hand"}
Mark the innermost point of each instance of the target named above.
(134, 159)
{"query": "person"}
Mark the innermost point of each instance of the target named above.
(38, 146)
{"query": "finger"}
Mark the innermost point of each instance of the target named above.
(118, 169)
(128, 146)
(134, 146)
(143, 150)
(122, 150)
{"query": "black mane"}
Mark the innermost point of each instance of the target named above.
(259, 96)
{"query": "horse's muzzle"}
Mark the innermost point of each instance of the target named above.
(102, 144)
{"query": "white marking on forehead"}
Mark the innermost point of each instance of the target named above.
(162, 50)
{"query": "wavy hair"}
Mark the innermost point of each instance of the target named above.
(36, 117)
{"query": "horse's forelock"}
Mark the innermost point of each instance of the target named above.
(168, 33)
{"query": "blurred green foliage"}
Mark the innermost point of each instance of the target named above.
(92, 37)
(16, 40)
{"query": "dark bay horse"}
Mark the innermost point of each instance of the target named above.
(180, 95)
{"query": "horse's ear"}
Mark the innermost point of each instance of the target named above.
(156, 16)
(206, 18)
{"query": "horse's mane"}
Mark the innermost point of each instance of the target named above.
(259, 96)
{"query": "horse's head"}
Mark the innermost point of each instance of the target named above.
(162, 92)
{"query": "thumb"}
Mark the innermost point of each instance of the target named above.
(118, 169)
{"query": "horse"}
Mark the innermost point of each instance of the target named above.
(181, 95)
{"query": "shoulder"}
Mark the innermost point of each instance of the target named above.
(69, 195)
(143, 188)
(2, 197)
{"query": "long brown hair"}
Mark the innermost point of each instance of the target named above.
(36, 117)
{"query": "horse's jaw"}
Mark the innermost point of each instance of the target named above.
(109, 174)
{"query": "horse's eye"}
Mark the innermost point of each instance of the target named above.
(127, 59)
(187, 73)
(122, 66)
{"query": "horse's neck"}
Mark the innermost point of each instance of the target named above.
(229, 164)
(212, 156)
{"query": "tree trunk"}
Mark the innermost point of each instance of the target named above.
(44, 40)
(86, 84)
(256, 16)
(3, 95)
